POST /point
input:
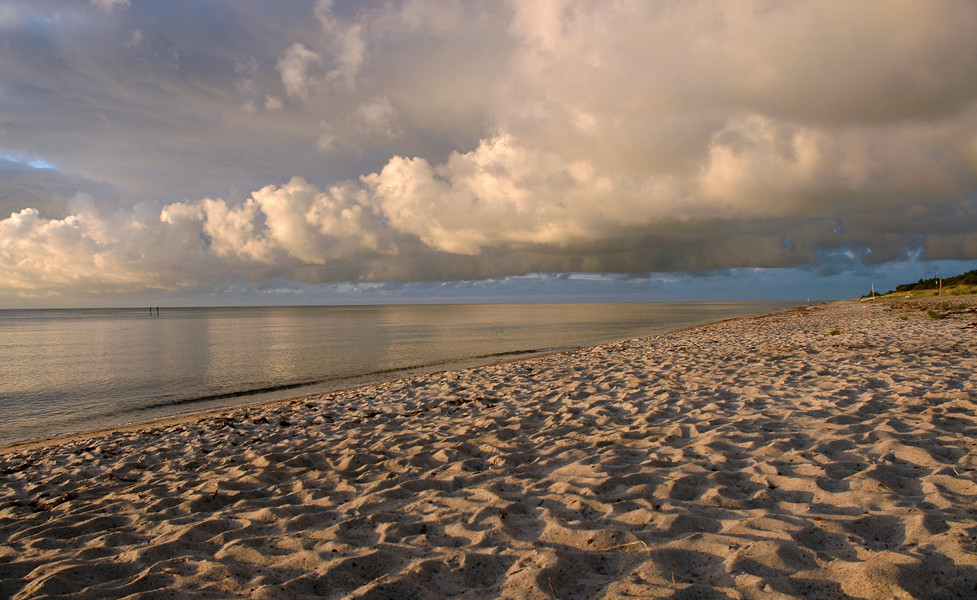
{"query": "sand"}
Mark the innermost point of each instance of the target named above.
(825, 452)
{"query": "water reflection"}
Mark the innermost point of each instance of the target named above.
(71, 370)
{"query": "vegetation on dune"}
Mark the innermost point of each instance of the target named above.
(969, 279)
(958, 285)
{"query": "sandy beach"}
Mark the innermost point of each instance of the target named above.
(827, 452)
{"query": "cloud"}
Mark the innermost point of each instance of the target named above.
(80, 252)
(496, 195)
(379, 116)
(416, 140)
(47, 190)
(110, 5)
(294, 66)
(345, 43)
(826, 61)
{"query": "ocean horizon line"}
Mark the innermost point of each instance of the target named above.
(484, 302)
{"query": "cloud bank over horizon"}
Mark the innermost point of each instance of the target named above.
(161, 147)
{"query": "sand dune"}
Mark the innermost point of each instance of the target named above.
(826, 452)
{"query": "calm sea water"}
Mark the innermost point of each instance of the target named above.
(67, 371)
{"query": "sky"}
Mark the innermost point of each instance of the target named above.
(312, 152)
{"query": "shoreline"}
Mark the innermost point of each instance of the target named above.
(212, 413)
(825, 451)
(357, 382)
(77, 398)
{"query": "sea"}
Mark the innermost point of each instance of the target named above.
(77, 370)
